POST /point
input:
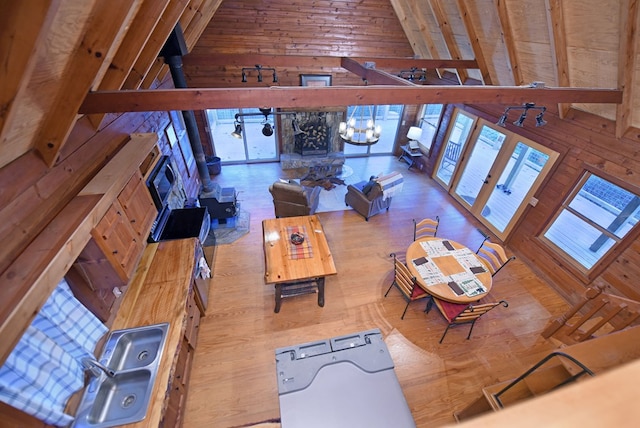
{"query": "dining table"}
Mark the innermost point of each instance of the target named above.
(448, 270)
(297, 257)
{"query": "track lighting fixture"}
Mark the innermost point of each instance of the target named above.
(267, 127)
(520, 121)
(237, 133)
(411, 75)
(260, 69)
(267, 130)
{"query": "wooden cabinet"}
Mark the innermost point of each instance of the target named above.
(173, 416)
(109, 260)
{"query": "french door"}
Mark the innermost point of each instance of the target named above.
(498, 174)
(251, 145)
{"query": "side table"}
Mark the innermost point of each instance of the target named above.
(409, 156)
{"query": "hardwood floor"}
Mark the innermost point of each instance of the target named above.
(233, 379)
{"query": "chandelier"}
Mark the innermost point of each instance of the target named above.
(360, 131)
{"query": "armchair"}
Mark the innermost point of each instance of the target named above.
(369, 204)
(377, 199)
(292, 199)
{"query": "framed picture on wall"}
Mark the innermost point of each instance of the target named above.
(315, 80)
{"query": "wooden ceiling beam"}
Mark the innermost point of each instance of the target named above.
(249, 60)
(475, 42)
(107, 26)
(507, 38)
(629, 11)
(415, 29)
(371, 75)
(449, 37)
(157, 39)
(560, 57)
(312, 97)
(135, 39)
(24, 26)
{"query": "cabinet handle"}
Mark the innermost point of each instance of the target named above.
(133, 220)
(115, 252)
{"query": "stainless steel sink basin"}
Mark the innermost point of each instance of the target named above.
(134, 354)
(121, 397)
(135, 348)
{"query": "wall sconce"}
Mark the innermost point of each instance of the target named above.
(259, 68)
(411, 75)
(520, 121)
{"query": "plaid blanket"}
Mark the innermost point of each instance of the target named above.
(302, 251)
(391, 184)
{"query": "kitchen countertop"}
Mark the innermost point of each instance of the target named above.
(158, 293)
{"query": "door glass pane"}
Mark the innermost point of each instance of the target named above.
(388, 117)
(484, 153)
(252, 146)
(259, 146)
(519, 175)
(457, 138)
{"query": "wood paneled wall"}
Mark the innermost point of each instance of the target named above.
(583, 141)
(317, 28)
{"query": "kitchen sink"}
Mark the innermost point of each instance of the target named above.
(121, 397)
(134, 355)
(136, 347)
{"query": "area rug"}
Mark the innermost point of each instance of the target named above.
(230, 231)
(333, 200)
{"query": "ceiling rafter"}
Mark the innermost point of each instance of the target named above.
(475, 42)
(507, 38)
(311, 97)
(629, 14)
(317, 61)
(558, 39)
(107, 26)
(414, 28)
(156, 40)
(19, 54)
(371, 75)
(449, 38)
(135, 39)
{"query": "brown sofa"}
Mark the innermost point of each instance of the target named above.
(366, 205)
(292, 199)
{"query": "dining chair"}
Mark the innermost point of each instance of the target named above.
(457, 313)
(406, 283)
(425, 227)
(493, 256)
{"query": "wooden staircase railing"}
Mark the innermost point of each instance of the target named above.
(597, 314)
(558, 369)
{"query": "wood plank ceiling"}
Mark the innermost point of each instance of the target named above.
(56, 52)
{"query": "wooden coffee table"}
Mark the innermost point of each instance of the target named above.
(296, 269)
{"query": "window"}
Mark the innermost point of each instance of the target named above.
(595, 218)
(429, 120)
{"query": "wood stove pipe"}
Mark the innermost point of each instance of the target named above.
(172, 52)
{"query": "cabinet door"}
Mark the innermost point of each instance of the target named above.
(138, 206)
(120, 243)
(193, 321)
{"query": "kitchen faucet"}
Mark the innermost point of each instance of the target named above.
(95, 367)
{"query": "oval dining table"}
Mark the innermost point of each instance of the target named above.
(449, 260)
